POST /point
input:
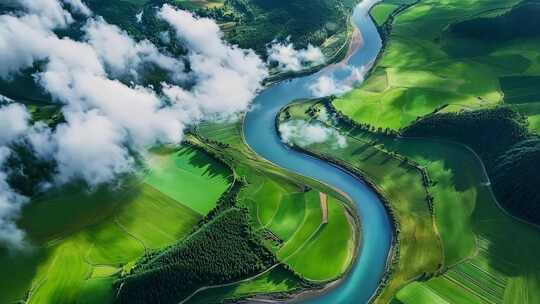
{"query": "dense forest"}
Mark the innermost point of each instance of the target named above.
(222, 251)
(501, 139)
(520, 22)
(259, 22)
(516, 181)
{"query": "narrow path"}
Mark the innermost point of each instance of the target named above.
(324, 207)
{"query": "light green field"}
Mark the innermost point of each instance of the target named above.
(295, 217)
(195, 4)
(182, 174)
(277, 280)
(87, 237)
(324, 256)
(382, 11)
(415, 74)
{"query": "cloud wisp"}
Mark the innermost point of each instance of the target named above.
(288, 58)
(327, 85)
(304, 133)
(109, 121)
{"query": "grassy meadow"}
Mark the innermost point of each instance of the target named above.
(428, 64)
(86, 237)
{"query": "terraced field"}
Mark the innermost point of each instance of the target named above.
(87, 237)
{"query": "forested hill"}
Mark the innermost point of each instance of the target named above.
(510, 153)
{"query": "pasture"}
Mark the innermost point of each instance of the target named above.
(417, 73)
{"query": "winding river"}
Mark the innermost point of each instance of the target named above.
(260, 132)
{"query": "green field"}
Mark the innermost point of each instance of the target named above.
(87, 237)
(328, 253)
(501, 268)
(421, 71)
(182, 174)
(198, 4)
(382, 11)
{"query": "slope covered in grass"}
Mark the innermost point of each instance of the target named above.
(182, 173)
(419, 74)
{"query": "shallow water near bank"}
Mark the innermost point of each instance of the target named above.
(361, 283)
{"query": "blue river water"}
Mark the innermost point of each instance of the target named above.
(260, 132)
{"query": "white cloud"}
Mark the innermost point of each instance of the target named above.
(202, 35)
(90, 147)
(5, 99)
(49, 12)
(304, 134)
(123, 55)
(108, 122)
(228, 77)
(139, 16)
(13, 123)
(327, 85)
(11, 204)
(290, 59)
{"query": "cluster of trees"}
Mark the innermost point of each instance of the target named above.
(500, 137)
(222, 251)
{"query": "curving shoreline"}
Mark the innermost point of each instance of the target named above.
(362, 282)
